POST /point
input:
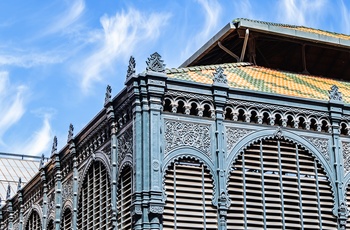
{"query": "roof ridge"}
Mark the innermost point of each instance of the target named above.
(206, 67)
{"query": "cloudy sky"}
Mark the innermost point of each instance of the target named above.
(57, 56)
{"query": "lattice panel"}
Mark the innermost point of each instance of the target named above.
(95, 199)
(34, 222)
(124, 199)
(189, 189)
(275, 184)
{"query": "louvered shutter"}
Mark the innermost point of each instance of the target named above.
(50, 226)
(189, 190)
(34, 222)
(276, 184)
(66, 222)
(124, 199)
(95, 199)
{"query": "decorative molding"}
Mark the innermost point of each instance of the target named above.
(155, 63)
(156, 209)
(188, 95)
(233, 135)
(180, 134)
(125, 144)
(346, 156)
(334, 94)
(321, 144)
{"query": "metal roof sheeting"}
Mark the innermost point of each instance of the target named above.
(11, 169)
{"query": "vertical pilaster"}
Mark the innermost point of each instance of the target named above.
(20, 202)
(134, 96)
(10, 215)
(114, 154)
(73, 153)
(220, 88)
(58, 184)
(44, 183)
(155, 78)
(335, 112)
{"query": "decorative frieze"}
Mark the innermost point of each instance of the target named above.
(321, 144)
(181, 134)
(346, 156)
(233, 135)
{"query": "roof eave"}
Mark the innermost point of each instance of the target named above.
(206, 47)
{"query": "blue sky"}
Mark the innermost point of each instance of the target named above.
(57, 56)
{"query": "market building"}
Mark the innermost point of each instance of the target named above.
(251, 132)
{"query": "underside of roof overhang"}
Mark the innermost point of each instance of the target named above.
(277, 46)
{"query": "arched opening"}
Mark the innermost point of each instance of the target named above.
(254, 116)
(95, 199)
(241, 116)
(167, 105)
(193, 110)
(180, 107)
(206, 112)
(189, 190)
(276, 184)
(34, 221)
(124, 199)
(228, 113)
(66, 220)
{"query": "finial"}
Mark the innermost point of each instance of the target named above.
(70, 133)
(131, 67)
(54, 146)
(108, 94)
(219, 76)
(155, 63)
(42, 161)
(8, 193)
(334, 94)
(19, 186)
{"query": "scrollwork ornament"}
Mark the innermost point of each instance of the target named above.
(219, 76)
(321, 144)
(334, 94)
(233, 135)
(67, 191)
(155, 63)
(125, 144)
(179, 134)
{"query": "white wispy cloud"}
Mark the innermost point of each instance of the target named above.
(40, 142)
(211, 12)
(300, 12)
(345, 18)
(68, 17)
(29, 59)
(12, 101)
(120, 35)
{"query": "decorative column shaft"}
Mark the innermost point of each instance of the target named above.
(73, 153)
(134, 95)
(220, 88)
(44, 182)
(114, 154)
(20, 201)
(58, 184)
(155, 78)
(335, 112)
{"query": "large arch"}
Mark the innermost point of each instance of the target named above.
(95, 196)
(33, 220)
(275, 182)
(189, 189)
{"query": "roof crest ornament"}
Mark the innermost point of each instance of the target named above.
(8, 192)
(155, 63)
(108, 94)
(219, 76)
(131, 68)
(70, 133)
(42, 160)
(19, 186)
(334, 94)
(54, 145)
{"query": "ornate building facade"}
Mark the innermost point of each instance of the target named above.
(245, 135)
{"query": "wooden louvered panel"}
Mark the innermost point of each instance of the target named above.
(34, 222)
(276, 185)
(124, 199)
(95, 199)
(66, 222)
(189, 190)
